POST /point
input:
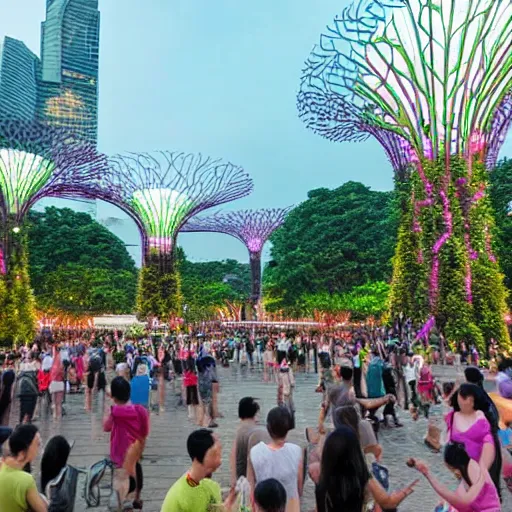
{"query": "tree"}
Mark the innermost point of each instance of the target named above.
(333, 241)
(361, 302)
(501, 196)
(82, 290)
(206, 286)
(77, 265)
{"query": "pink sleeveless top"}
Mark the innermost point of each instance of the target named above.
(474, 438)
(487, 501)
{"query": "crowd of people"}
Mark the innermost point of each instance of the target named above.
(365, 379)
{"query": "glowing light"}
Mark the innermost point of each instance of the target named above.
(162, 211)
(2, 262)
(255, 244)
(16, 230)
(22, 175)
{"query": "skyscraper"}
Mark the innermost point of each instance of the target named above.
(68, 74)
(18, 81)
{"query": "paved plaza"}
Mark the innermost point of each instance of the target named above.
(166, 459)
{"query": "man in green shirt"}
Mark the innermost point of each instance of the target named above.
(195, 491)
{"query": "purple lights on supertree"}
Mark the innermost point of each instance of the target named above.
(162, 190)
(252, 227)
(38, 161)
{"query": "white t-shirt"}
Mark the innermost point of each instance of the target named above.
(282, 464)
(410, 372)
(283, 345)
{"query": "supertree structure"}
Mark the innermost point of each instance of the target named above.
(252, 227)
(430, 80)
(35, 162)
(161, 191)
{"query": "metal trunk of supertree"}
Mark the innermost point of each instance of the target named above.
(161, 191)
(430, 80)
(253, 228)
(255, 262)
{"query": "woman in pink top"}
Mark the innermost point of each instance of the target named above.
(476, 491)
(467, 424)
(57, 384)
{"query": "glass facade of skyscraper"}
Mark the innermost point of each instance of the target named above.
(60, 88)
(68, 75)
(18, 81)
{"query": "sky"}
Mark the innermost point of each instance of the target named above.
(217, 77)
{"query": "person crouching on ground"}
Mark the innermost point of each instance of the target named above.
(129, 427)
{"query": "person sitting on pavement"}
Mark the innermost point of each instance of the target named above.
(18, 490)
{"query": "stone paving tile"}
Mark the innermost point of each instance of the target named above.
(165, 458)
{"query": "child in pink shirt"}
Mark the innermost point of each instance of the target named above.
(128, 424)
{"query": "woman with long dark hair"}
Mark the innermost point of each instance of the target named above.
(345, 482)
(476, 492)
(55, 458)
(470, 424)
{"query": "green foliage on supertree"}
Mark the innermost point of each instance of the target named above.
(159, 291)
(466, 295)
(409, 290)
(17, 304)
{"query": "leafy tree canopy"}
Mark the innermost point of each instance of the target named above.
(77, 265)
(501, 195)
(335, 240)
(206, 286)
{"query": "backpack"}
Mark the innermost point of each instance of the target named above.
(27, 384)
(95, 363)
(93, 479)
(61, 491)
(374, 379)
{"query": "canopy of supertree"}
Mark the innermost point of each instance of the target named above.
(252, 227)
(431, 81)
(37, 161)
(162, 190)
(435, 73)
